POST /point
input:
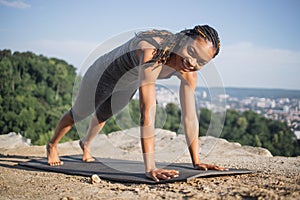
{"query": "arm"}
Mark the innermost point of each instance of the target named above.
(189, 115)
(148, 110)
(148, 76)
(190, 121)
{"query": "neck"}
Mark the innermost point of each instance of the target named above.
(172, 62)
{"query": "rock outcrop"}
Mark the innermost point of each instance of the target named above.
(13, 140)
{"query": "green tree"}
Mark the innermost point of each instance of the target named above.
(249, 128)
(173, 119)
(204, 121)
(31, 101)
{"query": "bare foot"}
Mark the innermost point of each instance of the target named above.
(52, 155)
(87, 157)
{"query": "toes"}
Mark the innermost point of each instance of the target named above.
(56, 163)
(89, 160)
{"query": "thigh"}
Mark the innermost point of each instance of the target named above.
(114, 104)
(93, 93)
(83, 105)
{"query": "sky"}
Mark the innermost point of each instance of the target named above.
(260, 45)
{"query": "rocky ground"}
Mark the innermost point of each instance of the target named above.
(276, 177)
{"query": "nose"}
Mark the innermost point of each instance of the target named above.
(193, 62)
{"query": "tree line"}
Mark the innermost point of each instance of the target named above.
(246, 128)
(36, 90)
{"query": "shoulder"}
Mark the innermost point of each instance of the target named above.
(148, 42)
(152, 38)
(145, 55)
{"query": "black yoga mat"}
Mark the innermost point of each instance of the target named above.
(125, 171)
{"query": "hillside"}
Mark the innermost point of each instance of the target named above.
(34, 92)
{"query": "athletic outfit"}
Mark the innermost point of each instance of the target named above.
(110, 82)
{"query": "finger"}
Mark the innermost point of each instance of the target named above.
(163, 176)
(152, 176)
(224, 169)
(155, 178)
(169, 174)
(166, 174)
(219, 168)
(175, 172)
(175, 175)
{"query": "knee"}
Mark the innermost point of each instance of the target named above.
(103, 114)
(102, 118)
(99, 122)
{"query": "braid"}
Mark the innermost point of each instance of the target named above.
(209, 34)
(164, 51)
(172, 42)
(163, 54)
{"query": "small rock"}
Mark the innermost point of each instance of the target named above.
(137, 190)
(67, 198)
(95, 179)
(186, 191)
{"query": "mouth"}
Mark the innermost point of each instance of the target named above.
(186, 66)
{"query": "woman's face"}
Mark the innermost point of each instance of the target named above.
(194, 54)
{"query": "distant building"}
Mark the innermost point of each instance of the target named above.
(273, 104)
(297, 133)
(205, 95)
(286, 108)
(223, 96)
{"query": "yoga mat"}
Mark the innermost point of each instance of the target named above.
(132, 171)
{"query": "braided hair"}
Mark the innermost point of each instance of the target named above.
(172, 42)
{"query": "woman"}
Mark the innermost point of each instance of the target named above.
(149, 56)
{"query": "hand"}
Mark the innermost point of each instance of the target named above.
(206, 167)
(164, 174)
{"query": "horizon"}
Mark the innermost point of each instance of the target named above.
(246, 88)
(174, 84)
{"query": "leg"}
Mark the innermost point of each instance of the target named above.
(103, 113)
(63, 126)
(94, 128)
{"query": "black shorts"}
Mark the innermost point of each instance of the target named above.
(104, 110)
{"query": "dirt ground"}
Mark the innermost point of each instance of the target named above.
(276, 178)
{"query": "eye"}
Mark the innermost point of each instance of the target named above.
(191, 51)
(202, 62)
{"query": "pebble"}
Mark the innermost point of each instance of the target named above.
(137, 190)
(95, 179)
(186, 191)
(67, 198)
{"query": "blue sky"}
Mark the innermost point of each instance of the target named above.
(260, 39)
